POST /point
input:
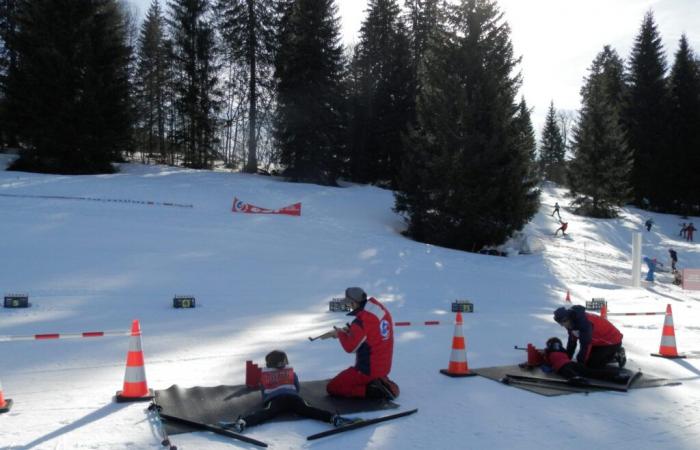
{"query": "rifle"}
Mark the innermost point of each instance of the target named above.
(329, 334)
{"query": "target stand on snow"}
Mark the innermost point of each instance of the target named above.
(16, 301)
(464, 306)
(596, 304)
(183, 301)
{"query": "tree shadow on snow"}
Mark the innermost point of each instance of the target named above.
(92, 417)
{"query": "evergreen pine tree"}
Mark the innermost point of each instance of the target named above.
(8, 60)
(526, 141)
(69, 92)
(466, 182)
(152, 82)
(600, 170)
(552, 149)
(197, 96)
(646, 114)
(684, 122)
(425, 17)
(310, 125)
(383, 104)
(248, 29)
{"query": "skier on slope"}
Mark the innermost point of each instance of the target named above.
(279, 386)
(371, 337)
(599, 341)
(651, 264)
(555, 356)
(556, 210)
(562, 228)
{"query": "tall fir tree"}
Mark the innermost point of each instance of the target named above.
(425, 18)
(310, 124)
(248, 28)
(684, 122)
(197, 94)
(647, 114)
(8, 60)
(69, 92)
(467, 181)
(383, 103)
(526, 141)
(599, 174)
(552, 149)
(152, 81)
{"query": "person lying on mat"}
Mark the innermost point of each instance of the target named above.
(555, 356)
(600, 342)
(279, 386)
(371, 337)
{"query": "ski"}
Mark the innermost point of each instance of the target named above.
(213, 428)
(361, 424)
(154, 410)
(593, 384)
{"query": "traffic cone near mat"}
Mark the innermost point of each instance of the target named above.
(135, 386)
(458, 359)
(568, 297)
(604, 311)
(5, 404)
(667, 349)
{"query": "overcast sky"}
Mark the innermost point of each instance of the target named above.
(558, 39)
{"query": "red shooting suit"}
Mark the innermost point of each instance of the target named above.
(371, 338)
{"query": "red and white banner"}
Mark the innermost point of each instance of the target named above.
(240, 206)
(691, 279)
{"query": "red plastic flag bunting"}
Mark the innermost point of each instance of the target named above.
(239, 206)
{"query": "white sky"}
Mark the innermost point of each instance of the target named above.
(558, 39)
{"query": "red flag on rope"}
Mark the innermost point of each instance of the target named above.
(246, 208)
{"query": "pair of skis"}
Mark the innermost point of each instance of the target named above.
(569, 385)
(226, 432)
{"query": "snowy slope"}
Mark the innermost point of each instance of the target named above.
(263, 282)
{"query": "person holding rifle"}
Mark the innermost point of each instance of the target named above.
(371, 337)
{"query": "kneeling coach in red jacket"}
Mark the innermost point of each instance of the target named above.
(371, 337)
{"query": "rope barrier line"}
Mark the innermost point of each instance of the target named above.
(48, 336)
(638, 314)
(94, 199)
(408, 324)
(93, 334)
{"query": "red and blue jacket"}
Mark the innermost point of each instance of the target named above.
(371, 337)
(592, 331)
(277, 382)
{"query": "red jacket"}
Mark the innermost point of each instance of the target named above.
(592, 331)
(556, 359)
(371, 338)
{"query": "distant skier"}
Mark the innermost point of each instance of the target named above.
(556, 210)
(649, 223)
(684, 229)
(371, 337)
(651, 264)
(674, 258)
(598, 340)
(555, 356)
(563, 227)
(279, 386)
(689, 231)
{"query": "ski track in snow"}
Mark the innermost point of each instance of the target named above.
(264, 282)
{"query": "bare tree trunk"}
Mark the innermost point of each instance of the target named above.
(252, 165)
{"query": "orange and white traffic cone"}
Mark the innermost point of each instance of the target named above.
(135, 386)
(568, 297)
(667, 349)
(5, 403)
(604, 311)
(458, 359)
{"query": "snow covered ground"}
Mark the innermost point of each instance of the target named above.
(263, 282)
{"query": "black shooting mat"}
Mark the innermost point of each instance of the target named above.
(497, 373)
(213, 404)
